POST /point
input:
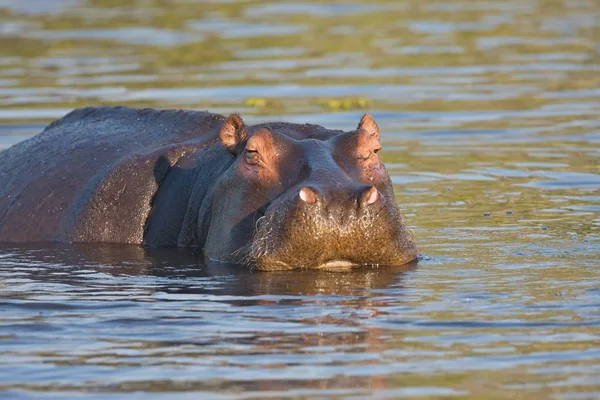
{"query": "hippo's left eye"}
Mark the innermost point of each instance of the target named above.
(368, 155)
(251, 156)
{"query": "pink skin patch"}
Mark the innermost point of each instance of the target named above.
(307, 195)
(372, 195)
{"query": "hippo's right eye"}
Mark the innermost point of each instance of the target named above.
(252, 157)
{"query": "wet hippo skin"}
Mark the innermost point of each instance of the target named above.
(272, 195)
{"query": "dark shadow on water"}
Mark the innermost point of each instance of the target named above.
(183, 269)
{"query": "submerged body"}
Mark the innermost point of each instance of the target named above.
(274, 196)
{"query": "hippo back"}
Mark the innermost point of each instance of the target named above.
(92, 175)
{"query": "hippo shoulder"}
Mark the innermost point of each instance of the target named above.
(91, 175)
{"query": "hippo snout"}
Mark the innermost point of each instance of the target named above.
(365, 197)
(336, 204)
(317, 229)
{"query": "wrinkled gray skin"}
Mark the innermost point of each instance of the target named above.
(273, 196)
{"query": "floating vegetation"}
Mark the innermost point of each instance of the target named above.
(343, 104)
(260, 102)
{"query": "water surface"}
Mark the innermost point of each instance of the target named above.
(489, 113)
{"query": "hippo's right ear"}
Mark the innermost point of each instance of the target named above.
(368, 124)
(233, 132)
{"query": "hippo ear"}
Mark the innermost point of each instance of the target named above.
(233, 132)
(368, 124)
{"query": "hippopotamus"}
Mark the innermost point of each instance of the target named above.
(273, 196)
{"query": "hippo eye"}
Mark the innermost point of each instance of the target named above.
(368, 155)
(251, 157)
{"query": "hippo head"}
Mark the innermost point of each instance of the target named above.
(305, 198)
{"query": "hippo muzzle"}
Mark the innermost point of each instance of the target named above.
(347, 229)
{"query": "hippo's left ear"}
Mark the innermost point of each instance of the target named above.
(368, 124)
(233, 132)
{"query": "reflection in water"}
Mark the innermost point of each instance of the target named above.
(489, 113)
(99, 300)
(188, 265)
(112, 318)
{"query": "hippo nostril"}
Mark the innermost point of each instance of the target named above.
(369, 196)
(308, 195)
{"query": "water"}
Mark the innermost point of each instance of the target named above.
(489, 112)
